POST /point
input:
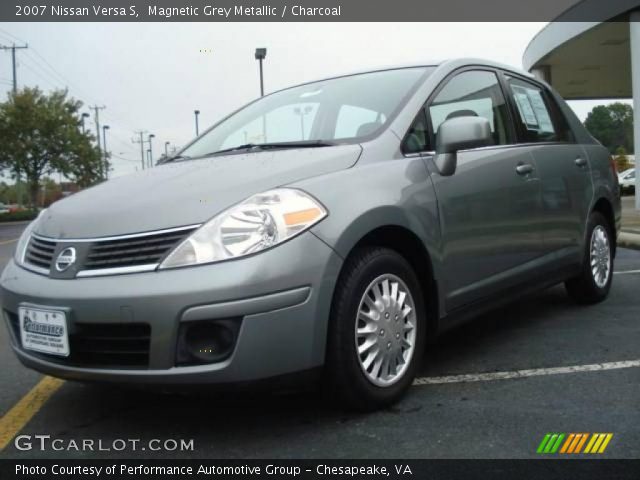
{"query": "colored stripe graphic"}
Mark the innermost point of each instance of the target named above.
(594, 437)
(551, 443)
(565, 447)
(605, 443)
(543, 443)
(598, 442)
(573, 443)
(581, 443)
(556, 446)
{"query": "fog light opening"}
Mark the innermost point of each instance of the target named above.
(206, 341)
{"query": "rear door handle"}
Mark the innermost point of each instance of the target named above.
(580, 162)
(524, 169)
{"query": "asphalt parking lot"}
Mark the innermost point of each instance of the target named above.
(461, 417)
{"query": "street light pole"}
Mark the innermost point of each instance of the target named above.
(82, 117)
(196, 113)
(151, 136)
(105, 164)
(260, 55)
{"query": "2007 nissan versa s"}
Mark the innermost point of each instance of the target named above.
(330, 227)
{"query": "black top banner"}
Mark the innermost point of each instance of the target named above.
(313, 10)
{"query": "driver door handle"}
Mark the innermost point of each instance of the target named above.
(580, 162)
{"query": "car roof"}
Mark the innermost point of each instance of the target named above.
(450, 64)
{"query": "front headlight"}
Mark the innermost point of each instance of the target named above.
(23, 241)
(258, 223)
(21, 246)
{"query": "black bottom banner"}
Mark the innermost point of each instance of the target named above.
(321, 469)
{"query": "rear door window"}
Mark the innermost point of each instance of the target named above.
(537, 117)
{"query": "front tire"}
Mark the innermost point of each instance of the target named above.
(378, 322)
(594, 282)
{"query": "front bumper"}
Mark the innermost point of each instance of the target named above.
(282, 297)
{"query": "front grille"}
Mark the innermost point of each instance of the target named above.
(98, 257)
(100, 345)
(40, 252)
(130, 252)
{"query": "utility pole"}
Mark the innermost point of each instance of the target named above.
(13, 49)
(96, 110)
(141, 141)
(106, 155)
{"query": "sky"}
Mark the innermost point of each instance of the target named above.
(152, 76)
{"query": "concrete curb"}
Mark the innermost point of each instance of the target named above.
(629, 240)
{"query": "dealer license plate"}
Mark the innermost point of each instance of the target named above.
(44, 330)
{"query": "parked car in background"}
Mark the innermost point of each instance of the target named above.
(627, 181)
(328, 229)
(14, 208)
(4, 208)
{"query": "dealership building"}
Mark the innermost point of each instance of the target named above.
(592, 60)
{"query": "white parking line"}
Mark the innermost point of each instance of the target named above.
(487, 377)
(628, 272)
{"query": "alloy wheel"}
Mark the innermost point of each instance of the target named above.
(385, 330)
(600, 256)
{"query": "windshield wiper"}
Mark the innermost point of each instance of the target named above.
(274, 146)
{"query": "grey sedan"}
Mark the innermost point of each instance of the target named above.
(325, 232)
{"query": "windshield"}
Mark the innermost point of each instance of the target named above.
(335, 110)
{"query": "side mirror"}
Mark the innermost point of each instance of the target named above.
(461, 133)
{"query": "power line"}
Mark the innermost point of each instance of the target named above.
(38, 73)
(43, 69)
(47, 77)
(123, 158)
(12, 36)
(59, 78)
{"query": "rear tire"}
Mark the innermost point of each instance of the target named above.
(376, 335)
(592, 285)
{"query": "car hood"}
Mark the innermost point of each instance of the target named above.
(185, 193)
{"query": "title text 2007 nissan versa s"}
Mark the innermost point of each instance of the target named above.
(331, 228)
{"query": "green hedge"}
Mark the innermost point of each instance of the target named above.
(18, 216)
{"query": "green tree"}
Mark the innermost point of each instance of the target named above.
(8, 193)
(621, 159)
(612, 125)
(40, 134)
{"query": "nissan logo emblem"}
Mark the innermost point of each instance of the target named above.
(66, 258)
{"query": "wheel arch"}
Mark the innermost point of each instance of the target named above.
(412, 248)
